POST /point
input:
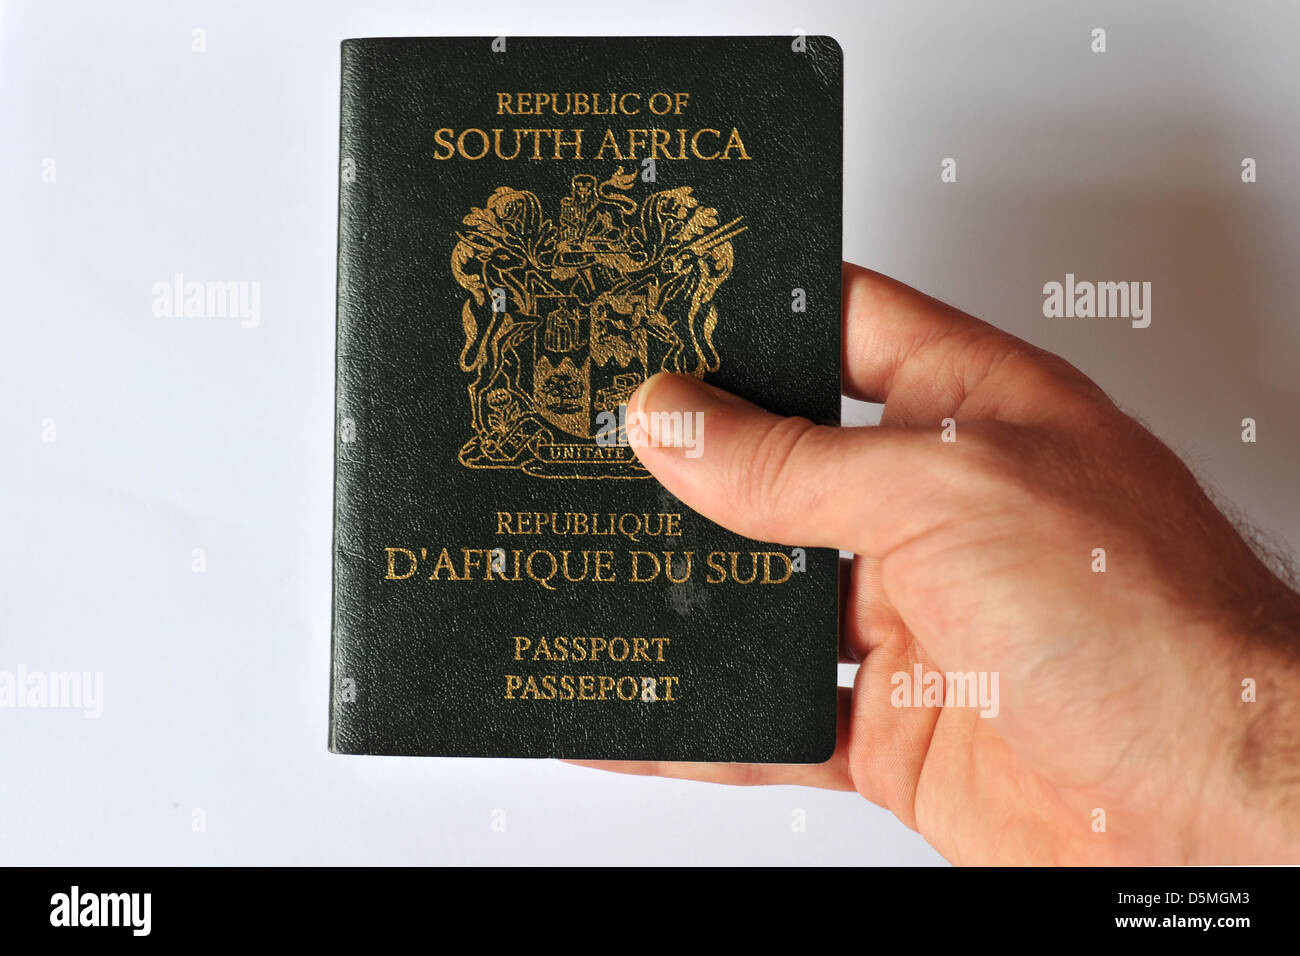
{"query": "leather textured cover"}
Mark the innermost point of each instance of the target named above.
(508, 581)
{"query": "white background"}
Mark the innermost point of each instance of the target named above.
(177, 434)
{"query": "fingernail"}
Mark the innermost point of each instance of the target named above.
(666, 392)
(668, 411)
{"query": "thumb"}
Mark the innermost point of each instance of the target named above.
(785, 480)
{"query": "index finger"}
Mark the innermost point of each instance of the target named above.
(888, 325)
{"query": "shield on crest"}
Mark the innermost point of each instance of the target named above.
(589, 359)
(566, 318)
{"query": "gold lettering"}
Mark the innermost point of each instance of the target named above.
(443, 564)
(443, 138)
(392, 571)
(733, 142)
(695, 143)
(609, 142)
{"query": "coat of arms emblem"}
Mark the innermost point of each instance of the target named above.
(566, 316)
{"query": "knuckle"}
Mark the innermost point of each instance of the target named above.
(981, 463)
(766, 478)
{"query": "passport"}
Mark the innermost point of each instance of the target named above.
(529, 227)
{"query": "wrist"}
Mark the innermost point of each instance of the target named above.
(1255, 815)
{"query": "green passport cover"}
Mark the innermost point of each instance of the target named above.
(528, 227)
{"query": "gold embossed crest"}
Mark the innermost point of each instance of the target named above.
(566, 316)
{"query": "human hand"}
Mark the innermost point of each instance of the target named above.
(1120, 691)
